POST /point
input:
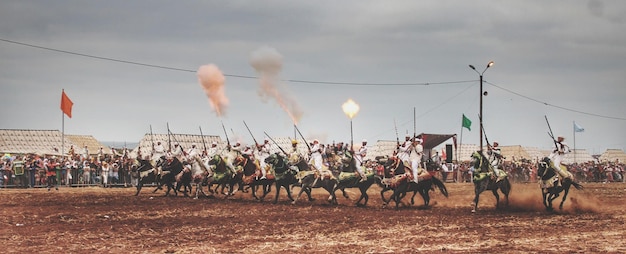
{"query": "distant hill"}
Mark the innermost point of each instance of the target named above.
(120, 144)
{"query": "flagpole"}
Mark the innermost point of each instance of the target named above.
(574, 130)
(62, 129)
(459, 175)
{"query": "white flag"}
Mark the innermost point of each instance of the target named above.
(578, 128)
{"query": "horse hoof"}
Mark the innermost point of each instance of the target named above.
(473, 210)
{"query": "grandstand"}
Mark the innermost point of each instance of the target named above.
(613, 155)
(15, 141)
(93, 145)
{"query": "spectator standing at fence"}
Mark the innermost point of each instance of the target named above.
(51, 173)
(34, 169)
(105, 174)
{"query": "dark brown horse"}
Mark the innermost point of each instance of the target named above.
(397, 178)
(484, 180)
(285, 175)
(348, 177)
(309, 179)
(552, 185)
(250, 176)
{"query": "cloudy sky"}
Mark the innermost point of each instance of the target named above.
(129, 65)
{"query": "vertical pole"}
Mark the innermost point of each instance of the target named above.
(351, 137)
(62, 133)
(481, 113)
(574, 131)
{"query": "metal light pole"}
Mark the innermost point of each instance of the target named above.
(481, 101)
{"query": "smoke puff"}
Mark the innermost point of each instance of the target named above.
(211, 80)
(268, 63)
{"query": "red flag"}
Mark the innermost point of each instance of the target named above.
(66, 104)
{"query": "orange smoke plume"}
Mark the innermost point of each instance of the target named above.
(212, 82)
(268, 63)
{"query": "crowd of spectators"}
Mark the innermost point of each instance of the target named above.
(75, 169)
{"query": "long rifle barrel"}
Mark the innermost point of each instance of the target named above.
(226, 134)
(305, 142)
(551, 134)
(281, 149)
(255, 143)
(152, 138)
(202, 136)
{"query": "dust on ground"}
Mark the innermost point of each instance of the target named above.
(112, 220)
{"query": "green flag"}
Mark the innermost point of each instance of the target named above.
(467, 123)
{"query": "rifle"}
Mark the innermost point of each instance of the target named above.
(256, 143)
(169, 141)
(152, 139)
(202, 136)
(281, 149)
(176, 141)
(396, 127)
(307, 143)
(483, 130)
(226, 134)
(551, 134)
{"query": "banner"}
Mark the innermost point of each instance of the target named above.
(578, 128)
(467, 123)
(66, 104)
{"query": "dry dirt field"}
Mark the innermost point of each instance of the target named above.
(98, 220)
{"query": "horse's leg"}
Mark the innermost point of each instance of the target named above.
(477, 190)
(299, 194)
(495, 193)
(565, 192)
(382, 196)
(278, 192)
(139, 186)
(425, 197)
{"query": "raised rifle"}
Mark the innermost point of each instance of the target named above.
(169, 140)
(281, 149)
(152, 139)
(226, 134)
(305, 142)
(255, 143)
(202, 136)
(397, 137)
(551, 134)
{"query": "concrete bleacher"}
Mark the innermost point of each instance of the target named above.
(613, 155)
(15, 141)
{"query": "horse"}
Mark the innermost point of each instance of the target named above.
(222, 175)
(199, 175)
(251, 171)
(285, 175)
(397, 177)
(171, 168)
(146, 173)
(309, 179)
(552, 185)
(349, 177)
(485, 180)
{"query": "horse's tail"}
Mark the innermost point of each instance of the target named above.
(441, 186)
(578, 186)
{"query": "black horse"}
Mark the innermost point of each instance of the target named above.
(396, 177)
(285, 175)
(309, 179)
(171, 168)
(484, 180)
(348, 177)
(551, 186)
(146, 174)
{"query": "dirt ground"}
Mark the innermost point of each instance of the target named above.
(94, 219)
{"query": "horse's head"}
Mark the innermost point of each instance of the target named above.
(543, 166)
(477, 159)
(274, 159)
(216, 159)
